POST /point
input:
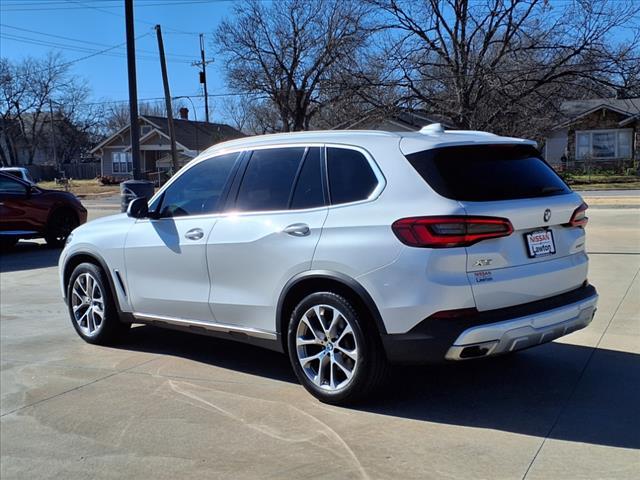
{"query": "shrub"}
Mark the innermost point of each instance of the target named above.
(110, 180)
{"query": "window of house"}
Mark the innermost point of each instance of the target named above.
(604, 144)
(144, 129)
(122, 162)
(350, 176)
(268, 179)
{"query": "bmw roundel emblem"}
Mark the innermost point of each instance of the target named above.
(547, 215)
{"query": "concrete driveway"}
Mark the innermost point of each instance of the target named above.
(172, 405)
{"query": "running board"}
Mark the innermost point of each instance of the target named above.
(210, 326)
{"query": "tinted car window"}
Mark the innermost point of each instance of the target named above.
(8, 185)
(268, 179)
(308, 190)
(487, 172)
(350, 175)
(198, 190)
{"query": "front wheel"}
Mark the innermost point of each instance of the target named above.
(60, 225)
(91, 306)
(335, 354)
(7, 243)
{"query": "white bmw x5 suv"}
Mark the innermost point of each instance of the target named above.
(348, 250)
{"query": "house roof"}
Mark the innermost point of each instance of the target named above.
(574, 108)
(196, 135)
(191, 135)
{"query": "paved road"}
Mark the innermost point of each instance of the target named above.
(172, 405)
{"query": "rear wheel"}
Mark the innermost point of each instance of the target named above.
(91, 306)
(334, 353)
(60, 225)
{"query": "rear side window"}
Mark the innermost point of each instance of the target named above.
(268, 179)
(308, 190)
(478, 173)
(350, 176)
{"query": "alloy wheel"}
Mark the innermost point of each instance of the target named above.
(87, 302)
(326, 347)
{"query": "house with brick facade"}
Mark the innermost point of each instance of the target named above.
(603, 132)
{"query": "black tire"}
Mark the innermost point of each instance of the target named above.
(111, 330)
(60, 225)
(371, 367)
(7, 243)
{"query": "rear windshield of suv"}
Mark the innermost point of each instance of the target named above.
(478, 173)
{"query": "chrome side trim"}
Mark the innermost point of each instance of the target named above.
(216, 327)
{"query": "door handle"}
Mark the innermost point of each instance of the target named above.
(298, 230)
(194, 234)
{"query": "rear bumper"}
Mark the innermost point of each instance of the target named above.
(495, 331)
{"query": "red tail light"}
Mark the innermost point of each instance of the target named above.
(451, 231)
(579, 217)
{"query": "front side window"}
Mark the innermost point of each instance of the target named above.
(604, 144)
(198, 190)
(350, 176)
(8, 185)
(268, 179)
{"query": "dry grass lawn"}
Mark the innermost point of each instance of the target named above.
(84, 187)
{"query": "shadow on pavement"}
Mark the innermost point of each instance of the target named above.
(28, 256)
(525, 393)
(213, 351)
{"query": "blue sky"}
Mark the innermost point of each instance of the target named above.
(78, 28)
(99, 24)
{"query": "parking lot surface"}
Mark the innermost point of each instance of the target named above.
(168, 404)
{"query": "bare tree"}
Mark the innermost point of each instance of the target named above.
(116, 115)
(293, 54)
(30, 91)
(501, 64)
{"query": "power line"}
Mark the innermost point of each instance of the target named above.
(76, 48)
(179, 57)
(100, 52)
(93, 7)
(53, 6)
(173, 97)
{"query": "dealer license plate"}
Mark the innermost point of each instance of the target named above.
(540, 243)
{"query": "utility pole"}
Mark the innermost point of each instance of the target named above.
(167, 98)
(203, 76)
(53, 137)
(133, 90)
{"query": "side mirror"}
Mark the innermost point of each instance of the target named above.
(138, 208)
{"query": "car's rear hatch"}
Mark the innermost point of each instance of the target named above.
(544, 255)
